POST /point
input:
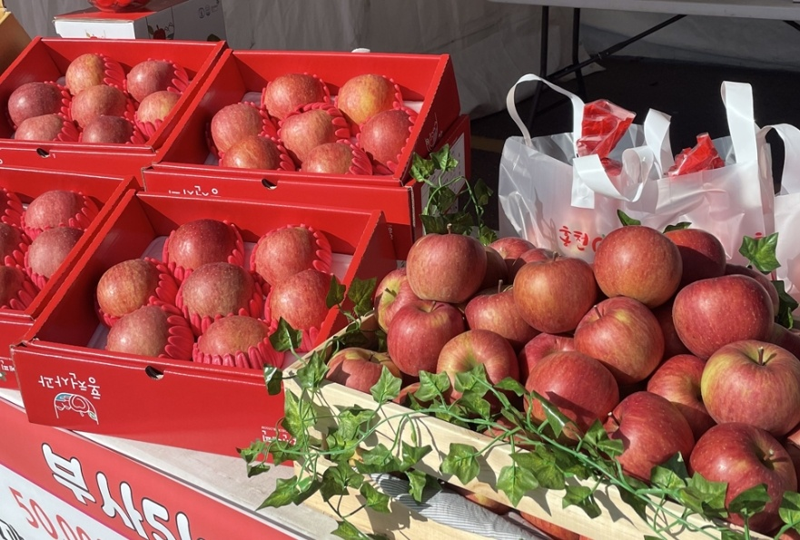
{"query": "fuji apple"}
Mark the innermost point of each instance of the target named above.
(385, 134)
(288, 92)
(199, 242)
(99, 100)
(144, 331)
(86, 70)
(157, 106)
(364, 96)
(300, 299)
(108, 129)
(284, 252)
(52, 209)
(253, 152)
(149, 76)
(218, 288)
(232, 334)
(33, 99)
(233, 123)
(50, 248)
(329, 158)
(126, 286)
(40, 128)
(302, 132)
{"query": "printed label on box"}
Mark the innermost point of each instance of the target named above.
(75, 395)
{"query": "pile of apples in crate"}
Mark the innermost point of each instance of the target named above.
(97, 102)
(661, 340)
(297, 124)
(200, 300)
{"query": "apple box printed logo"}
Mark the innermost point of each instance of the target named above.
(433, 138)
(75, 403)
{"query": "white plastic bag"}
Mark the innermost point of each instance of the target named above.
(567, 203)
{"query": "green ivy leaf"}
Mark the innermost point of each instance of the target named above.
(626, 220)
(286, 489)
(786, 305)
(515, 482)
(281, 450)
(273, 377)
(704, 496)
(443, 159)
(360, 293)
(413, 454)
(482, 193)
(635, 502)
(678, 226)
(543, 465)
(378, 460)
(311, 375)
(583, 498)
(761, 252)
(511, 385)
(347, 531)
(421, 168)
(750, 501)
(728, 534)
(252, 452)
(461, 222)
(285, 337)
(387, 388)
(340, 448)
(670, 475)
(570, 464)
(298, 415)
(597, 437)
(352, 419)
(336, 480)
(442, 201)
(421, 484)
(433, 224)
(335, 293)
(475, 404)
(790, 509)
(461, 461)
(555, 418)
(431, 386)
(486, 235)
(375, 500)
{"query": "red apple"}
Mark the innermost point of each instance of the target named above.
(253, 152)
(233, 123)
(701, 252)
(673, 346)
(11, 282)
(712, 313)
(745, 456)
(792, 445)
(329, 158)
(495, 310)
(468, 349)
(40, 128)
(144, 331)
(127, 286)
(651, 429)
(403, 397)
(300, 299)
(33, 99)
(217, 288)
(85, 71)
(496, 270)
(51, 247)
(302, 132)
(579, 386)
(359, 368)
(446, 267)
(788, 339)
(384, 136)
(755, 383)
(200, 242)
(100, 100)
(157, 106)
(539, 347)
(678, 381)
(286, 251)
(108, 129)
(553, 295)
(233, 334)
(148, 77)
(624, 335)
(640, 263)
(386, 293)
(404, 297)
(52, 208)
(510, 248)
(532, 255)
(364, 96)
(418, 332)
(289, 92)
(733, 269)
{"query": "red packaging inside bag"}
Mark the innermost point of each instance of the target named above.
(603, 126)
(702, 157)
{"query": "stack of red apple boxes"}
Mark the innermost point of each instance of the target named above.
(51, 94)
(74, 204)
(423, 104)
(168, 371)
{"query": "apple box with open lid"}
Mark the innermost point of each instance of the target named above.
(27, 184)
(207, 407)
(47, 59)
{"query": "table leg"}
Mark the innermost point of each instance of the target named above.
(576, 44)
(543, 49)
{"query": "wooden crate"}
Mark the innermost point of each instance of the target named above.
(618, 520)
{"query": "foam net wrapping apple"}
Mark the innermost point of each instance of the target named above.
(237, 341)
(58, 208)
(199, 242)
(11, 208)
(288, 250)
(17, 291)
(236, 121)
(132, 284)
(703, 157)
(37, 99)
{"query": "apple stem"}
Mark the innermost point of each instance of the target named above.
(761, 356)
(449, 228)
(499, 286)
(597, 311)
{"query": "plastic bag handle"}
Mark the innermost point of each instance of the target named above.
(738, 100)
(656, 135)
(577, 109)
(790, 180)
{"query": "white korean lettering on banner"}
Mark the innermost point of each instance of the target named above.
(28, 512)
(69, 473)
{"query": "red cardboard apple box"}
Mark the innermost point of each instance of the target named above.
(46, 59)
(427, 83)
(172, 402)
(401, 203)
(105, 191)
